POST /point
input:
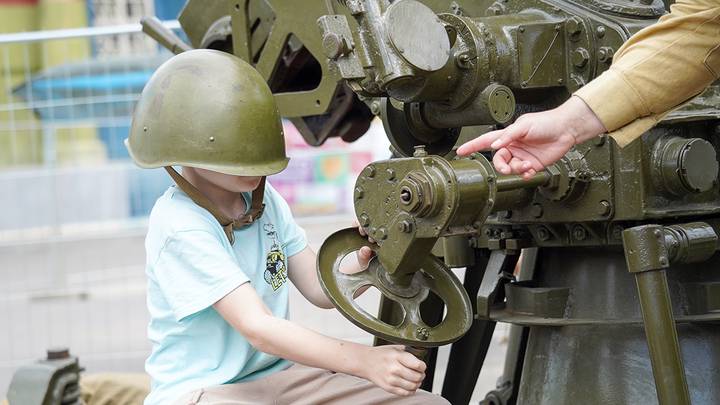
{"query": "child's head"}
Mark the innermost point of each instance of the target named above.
(228, 182)
(211, 111)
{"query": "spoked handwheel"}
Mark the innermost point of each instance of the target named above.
(408, 293)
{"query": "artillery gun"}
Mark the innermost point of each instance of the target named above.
(607, 306)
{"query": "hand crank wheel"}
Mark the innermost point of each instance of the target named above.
(432, 275)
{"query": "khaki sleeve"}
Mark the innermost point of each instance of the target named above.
(658, 69)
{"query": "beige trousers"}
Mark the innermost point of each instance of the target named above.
(302, 385)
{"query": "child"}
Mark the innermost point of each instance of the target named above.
(218, 259)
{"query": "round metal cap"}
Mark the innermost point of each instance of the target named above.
(501, 102)
(427, 48)
(698, 165)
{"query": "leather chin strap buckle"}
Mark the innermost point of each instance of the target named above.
(228, 224)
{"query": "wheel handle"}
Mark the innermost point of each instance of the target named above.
(432, 275)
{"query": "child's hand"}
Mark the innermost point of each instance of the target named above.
(394, 370)
(365, 253)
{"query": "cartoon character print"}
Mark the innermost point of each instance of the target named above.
(275, 268)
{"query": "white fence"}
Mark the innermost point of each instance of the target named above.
(71, 256)
(73, 207)
(65, 108)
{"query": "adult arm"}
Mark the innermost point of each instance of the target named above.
(656, 70)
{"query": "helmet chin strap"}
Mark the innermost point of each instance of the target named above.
(228, 224)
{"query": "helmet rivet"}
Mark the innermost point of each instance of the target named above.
(212, 139)
(144, 129)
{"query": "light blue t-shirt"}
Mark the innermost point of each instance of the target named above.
(190, 266)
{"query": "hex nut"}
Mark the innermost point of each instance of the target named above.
(536, 210)
(604, 208)
(543, 234)
(580, 57)
(579, 232)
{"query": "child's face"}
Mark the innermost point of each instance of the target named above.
(229, 182)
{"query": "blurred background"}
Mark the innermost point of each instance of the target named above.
(73, 208)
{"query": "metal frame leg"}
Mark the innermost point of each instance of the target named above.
(647, 256)
(467, 355)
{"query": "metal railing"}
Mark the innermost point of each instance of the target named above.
(71, 255)
(66, 99)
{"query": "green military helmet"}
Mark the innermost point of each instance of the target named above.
(208, 109)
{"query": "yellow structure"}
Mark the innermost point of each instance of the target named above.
(21, 138)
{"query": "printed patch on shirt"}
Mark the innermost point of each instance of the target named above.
(275, 268)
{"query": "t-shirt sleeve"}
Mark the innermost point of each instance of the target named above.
(194, 271)
(294, 239)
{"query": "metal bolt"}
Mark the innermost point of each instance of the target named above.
(663, 260)
(604, 208)
(212, 139)
(405, 195)
(332, 45)
(381, 233)
(420, 151)
(375, 108)
(617, 231)
(405, 226)
(579, 232)
(359, 193)
(495, 9)
(536, 210)
(422, 333)
(605, 54)
(560, 81)
(364, 219)
(370, 171)
(577, 81)
(600, 30)
(144, 129)
(391, 174)
(580, 57)
(463, 61)
(543, 234)
(574, 27)
(521, 29)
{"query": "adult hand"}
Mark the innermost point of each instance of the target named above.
(537, 140)
(394, 370)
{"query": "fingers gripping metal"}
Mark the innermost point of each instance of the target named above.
(432, 275)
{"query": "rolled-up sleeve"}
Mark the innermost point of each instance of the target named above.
(657, 70)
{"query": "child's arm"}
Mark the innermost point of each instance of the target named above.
(389, 367)
(303, 274)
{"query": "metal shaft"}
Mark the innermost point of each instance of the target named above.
(514, 182)
(157, 31)
(662, 338)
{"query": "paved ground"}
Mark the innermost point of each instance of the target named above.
(86, 290)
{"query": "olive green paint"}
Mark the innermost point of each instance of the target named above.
(491, 62)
